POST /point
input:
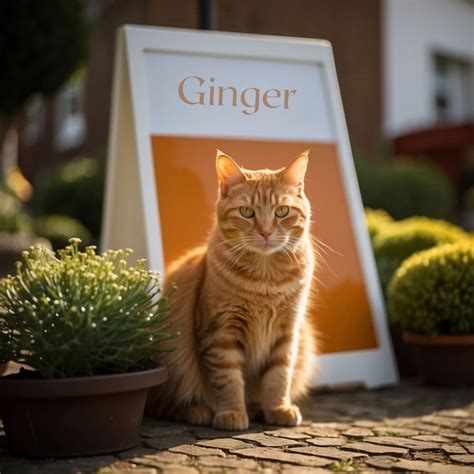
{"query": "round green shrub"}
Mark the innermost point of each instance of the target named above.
(405, 189)
(432, 292)
(81, 314)
(13, 217)
(59, 229)
(399, 240)
(376, 219)
(74, 189)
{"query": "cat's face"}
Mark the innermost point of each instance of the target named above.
(262, 211)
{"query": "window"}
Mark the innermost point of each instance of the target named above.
(453, 91)
(70, 120)
(35, 117)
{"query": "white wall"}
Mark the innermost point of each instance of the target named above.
(413, 30)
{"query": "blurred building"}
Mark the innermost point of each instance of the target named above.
(404, 66)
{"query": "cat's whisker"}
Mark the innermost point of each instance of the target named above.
(320, 242)
(241, 254)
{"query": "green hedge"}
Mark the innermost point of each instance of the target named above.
(399, 240)
(405, 189)
(13, 217)
(74, 189)
(433, 291)
(59, 229)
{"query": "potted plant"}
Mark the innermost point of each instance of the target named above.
(393, 243)
(431, 297)
(89, 327)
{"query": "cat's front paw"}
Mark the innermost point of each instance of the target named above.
(231, 420)
(285, 415)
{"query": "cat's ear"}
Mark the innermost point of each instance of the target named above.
(295, 172)
(228, 172)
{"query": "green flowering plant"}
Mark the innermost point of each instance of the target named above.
(82, 314)
(432, 292)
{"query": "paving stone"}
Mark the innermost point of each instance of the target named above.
(63, 466)
(210, 433)
(132, 470)
(160, 458)
(177, 469)
(390, 462)
(326, 441)
(400, 421)
(322, 432)
(441, 421)
(453, 448)
(121, 465)
(431, 438)
(193, 450)
(425, 427)
(431, 456)
(226, 444)
(464, 458)
(448, 433)
(281, 456)
(469, 447)
(154, 431)
(169, 442)
(228, 462)
(333, 425)
(395, 431)
(289, 433)
(290, 469)
(131, 453)
(455, 413)
(269, 441)
(371, 448)
(358, 432)
(403, 442)
(426, 430)
(365, 423)
(328, 452)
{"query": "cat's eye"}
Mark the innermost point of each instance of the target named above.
(247, 212)
(282, 211)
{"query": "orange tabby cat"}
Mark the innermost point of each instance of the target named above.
(245, 344)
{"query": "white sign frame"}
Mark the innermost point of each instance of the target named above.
(132, 219)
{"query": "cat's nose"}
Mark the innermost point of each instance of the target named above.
(265, 234)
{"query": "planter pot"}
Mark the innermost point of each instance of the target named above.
(444, 360)
(404, 354)
(75, 416)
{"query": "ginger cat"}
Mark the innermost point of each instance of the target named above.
(246, 346)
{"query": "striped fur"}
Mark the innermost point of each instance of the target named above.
(245, 344)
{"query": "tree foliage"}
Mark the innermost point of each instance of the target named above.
(41, 44)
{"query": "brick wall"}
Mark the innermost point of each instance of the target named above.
(352, 26)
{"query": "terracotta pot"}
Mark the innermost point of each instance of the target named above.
(404, 354)
(75, 416)
(444, 360)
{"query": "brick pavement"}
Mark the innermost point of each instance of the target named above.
(405, 428)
